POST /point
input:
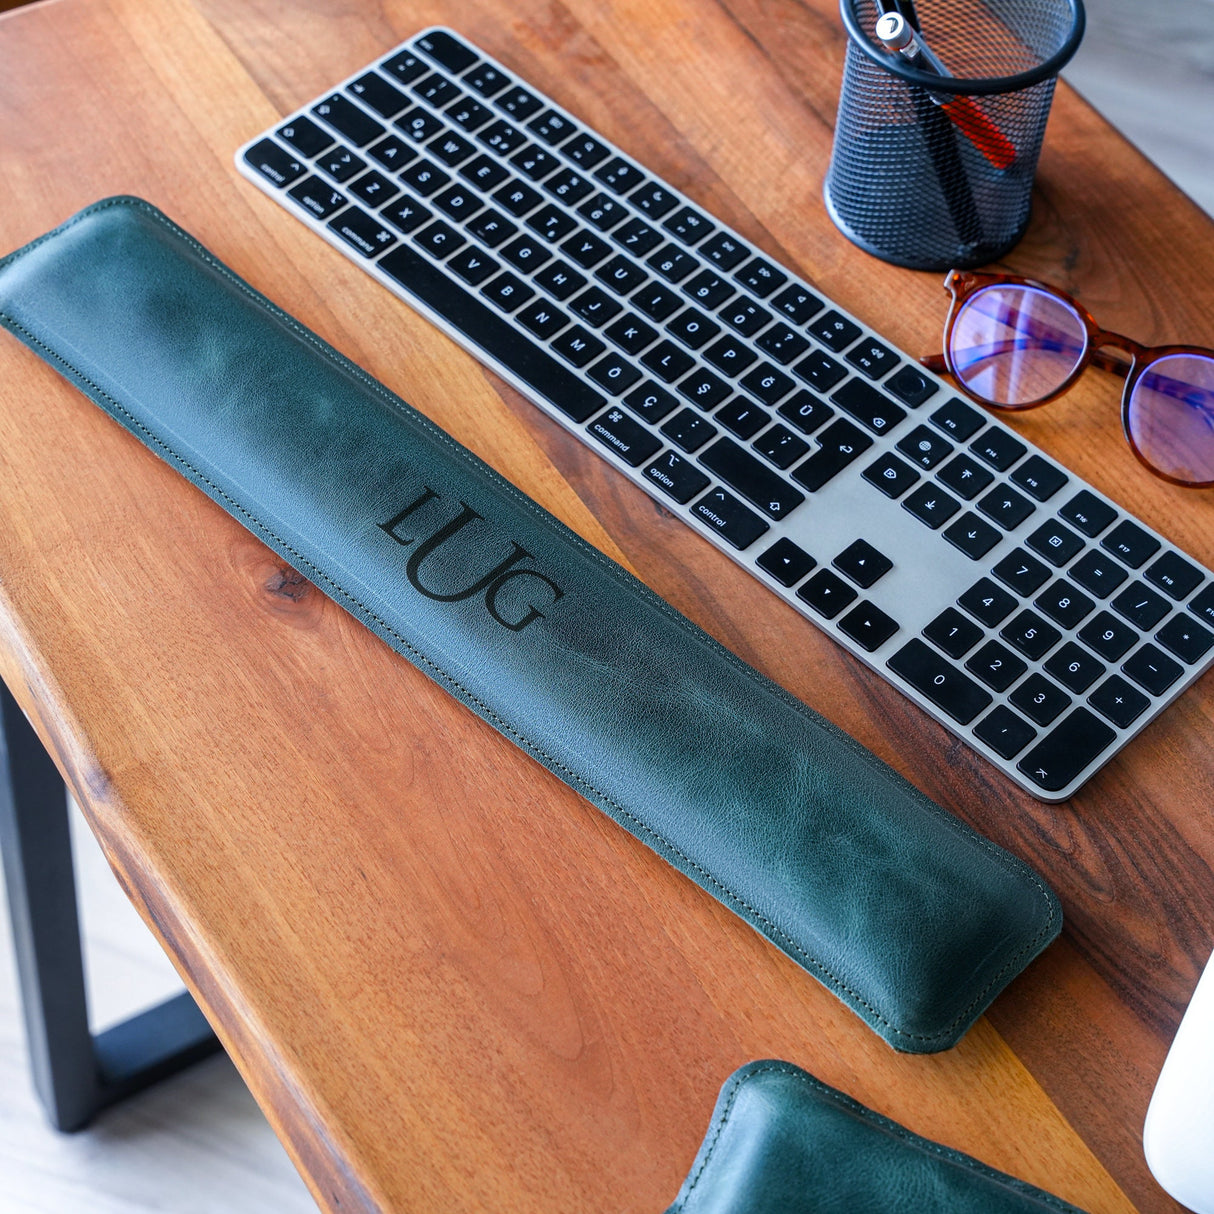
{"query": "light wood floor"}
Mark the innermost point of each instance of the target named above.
(198, 1144)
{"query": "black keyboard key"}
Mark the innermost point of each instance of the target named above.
(768, 383)
(1108, 636)
(603, 212)
(1004, 732)
(519, 103)
(1006, 507)
(1098, 573)
(492, 227)
(407, 214)
(840, 443)
(924, 447)
(436, 90)
(965, 477)
(723, 251)
(998, 448)
(444, 49)
(550, 223)
(743, 417)
(827, 593)
(672, 263)
(834, 331)
(568, 186)
(972, 535)
(761, 277)
(1203, 605)
(676, 476)
(780, 445)
(819, 371)
(304, 136)
(940, 681)
(277, 165)
(621, 274)
(728, 354)
(507, 291)
(585, 151)
(405, 67)
(539, 317)
(1152, 669)
(1141, 606)
(1187, 639)
(316, 197)
(468, 115)
(1040, 700)
(752, 479)
(374, 91)
(688, 430)
(363, 232)
(787, 563)
(688, 225)
(626, 438)
(1074, 667)
(631, 333)
(795, 302)
(552, 128)
(1066, 750)
(578, 346)
(474, 267)
(729, 518)
(869, 406)
(987, 602)
(425, 177)
(656, 301)
(497, 337)
(637, 237)
(709, 290)
(486, 80)
(618, 175)
(958, 419)
(502, 137)
(704, 389)
(649, 401)
(911, 386)
(782, 343)
(441, 240)
(560, 279)
(1064, 604)
(1023, 573)
(996, 666)
(1030, 634)
(1039, 477)
(931, 505)
(891, 476)
(953, 633)
(693, 328)
(868, 626)
(458, 202)
(484, 173)
(517, 198)
(614, 373)
(668, 362)
(1087, 512)
(805, 411)
(1119, 701)
(595, 306)
(1054, 541)
(871, 358)
(392, 153)
(1130, 543)
(347, 119)
(863, 563)
(745, 316)
(1174, 576)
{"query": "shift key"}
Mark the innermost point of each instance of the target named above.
(753, 480)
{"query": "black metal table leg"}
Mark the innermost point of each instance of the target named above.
(76, 1074)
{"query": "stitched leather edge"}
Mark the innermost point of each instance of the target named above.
(944, 1036)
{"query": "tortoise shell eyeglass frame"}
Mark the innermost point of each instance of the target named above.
(1098, 342)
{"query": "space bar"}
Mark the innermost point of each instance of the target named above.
(482, 326)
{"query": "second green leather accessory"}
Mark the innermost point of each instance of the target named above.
(782, 1142)
(911, 918)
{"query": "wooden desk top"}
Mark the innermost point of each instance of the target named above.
(450, 982)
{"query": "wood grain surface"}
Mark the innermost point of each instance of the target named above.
(450, 982)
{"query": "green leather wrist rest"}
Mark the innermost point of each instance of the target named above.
(781, 1142)
(912, 919)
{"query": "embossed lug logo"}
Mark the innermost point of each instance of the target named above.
(491, 583)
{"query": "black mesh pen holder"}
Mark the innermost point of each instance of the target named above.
(932, 171)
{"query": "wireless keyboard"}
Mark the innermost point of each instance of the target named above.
(1018, 606)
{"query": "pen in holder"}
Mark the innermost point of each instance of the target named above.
(940, 125)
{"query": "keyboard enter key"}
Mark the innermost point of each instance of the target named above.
(753, 480)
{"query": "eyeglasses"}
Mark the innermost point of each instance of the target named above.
(1014, 343)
